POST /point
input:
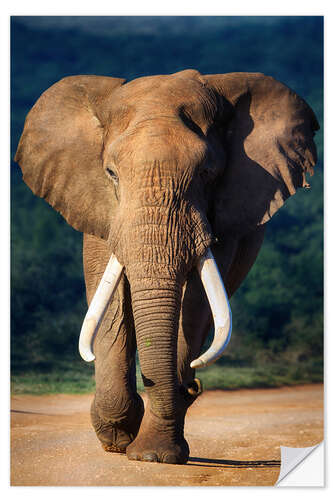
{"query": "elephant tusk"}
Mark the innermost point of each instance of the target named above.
(218, 301)
(98, 305)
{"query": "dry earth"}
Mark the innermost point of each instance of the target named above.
(234, 438)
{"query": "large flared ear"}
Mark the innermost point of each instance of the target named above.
(60, 151)
(269, 146)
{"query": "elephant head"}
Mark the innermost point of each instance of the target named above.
(161, 167)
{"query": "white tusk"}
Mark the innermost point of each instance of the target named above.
(98, 305)
(218, 301)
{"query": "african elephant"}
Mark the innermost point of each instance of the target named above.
(172, 179)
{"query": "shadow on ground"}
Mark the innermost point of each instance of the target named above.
(238, 464)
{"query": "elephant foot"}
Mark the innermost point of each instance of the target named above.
(189, 392)
(175, 454)
(159, 440)
(115, 434)
(111, 448)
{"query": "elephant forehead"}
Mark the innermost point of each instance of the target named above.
(169, 94)
(159, 85)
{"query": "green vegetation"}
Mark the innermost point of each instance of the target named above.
(71, 381)
(278, 311)
(79, 379)
(266, 375)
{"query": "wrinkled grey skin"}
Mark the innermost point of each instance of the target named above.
(156, 171)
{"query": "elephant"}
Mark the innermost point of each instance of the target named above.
(172, 180)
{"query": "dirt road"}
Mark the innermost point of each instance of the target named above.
(234, 438)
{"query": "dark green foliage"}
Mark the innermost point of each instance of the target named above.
(47, 298)
(277, 312)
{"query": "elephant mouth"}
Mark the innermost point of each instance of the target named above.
(215, 291)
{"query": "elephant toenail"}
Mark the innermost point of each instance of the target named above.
(150, 457)
(170, 459)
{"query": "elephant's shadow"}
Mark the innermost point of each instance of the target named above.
(233, 464)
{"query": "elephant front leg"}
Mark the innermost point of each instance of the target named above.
(194, 324)
(117, 409)
(160, 438)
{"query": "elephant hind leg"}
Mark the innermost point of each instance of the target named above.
(245, 256)
(196, 318)
(194, 325)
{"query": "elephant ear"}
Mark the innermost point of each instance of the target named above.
(60, 151)
(269, 148)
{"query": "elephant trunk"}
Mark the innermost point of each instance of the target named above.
(156, 309)
(157, 260)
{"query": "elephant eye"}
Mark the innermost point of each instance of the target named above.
(113, 175)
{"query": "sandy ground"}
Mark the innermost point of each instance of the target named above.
(234, 438)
